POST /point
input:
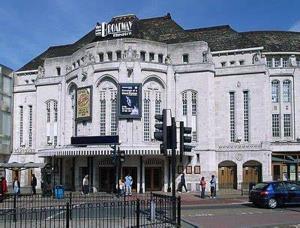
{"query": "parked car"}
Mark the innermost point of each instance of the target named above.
(275, 193)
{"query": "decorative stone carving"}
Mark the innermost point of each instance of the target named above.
(92, 58)
(68, 68)
(84, 74)
(168, 60)
(41, 72)
(130, 54)
(238, 156)
(257, 58)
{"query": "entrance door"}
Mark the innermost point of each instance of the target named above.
(250, 174)
(153, 178)
(133, 173)
(227, 177)
(107, 179)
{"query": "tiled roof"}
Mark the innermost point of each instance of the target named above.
(276, 41)
(165, 29)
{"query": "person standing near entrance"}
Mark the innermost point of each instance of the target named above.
(128, 184)
(33, 184)
(203, 186)
(16, 186)
(85, 184)
(182, 183)
(213, 186)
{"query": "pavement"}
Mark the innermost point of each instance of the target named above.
(192, 199)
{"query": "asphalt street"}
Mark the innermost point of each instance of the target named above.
(240, 215)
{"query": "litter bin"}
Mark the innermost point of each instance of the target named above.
(59, 192)
(251, 185)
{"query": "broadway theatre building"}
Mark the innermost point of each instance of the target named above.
(238, 91)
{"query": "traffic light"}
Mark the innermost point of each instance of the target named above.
(122, 155)
(161, 133)
(185, 139)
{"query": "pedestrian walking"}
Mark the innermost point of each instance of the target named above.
(33, 184)
(213, 186)
(182, 183)
(16, 186)
(3, 185)
(85, 184)
(128, 184)
(203, 186)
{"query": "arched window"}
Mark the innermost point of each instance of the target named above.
(275, 91)
(72, 94)
(152, 98)
(287, 91)
(51, 125)
(108, 107)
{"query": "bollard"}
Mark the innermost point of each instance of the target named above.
(179, 212)
(138, 213)
(70, 202)
(68, 216)
(15, 207)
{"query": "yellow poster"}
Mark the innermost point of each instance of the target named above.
(83, 104)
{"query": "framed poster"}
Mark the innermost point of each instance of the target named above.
(84, 104)
(189, 169)
(197, 169)
(179, 169)
(130, 100)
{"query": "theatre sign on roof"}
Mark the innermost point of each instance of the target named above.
(238, 91)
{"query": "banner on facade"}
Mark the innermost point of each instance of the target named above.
(84, 104)
(130, 100)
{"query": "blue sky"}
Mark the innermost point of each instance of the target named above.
(29, 27)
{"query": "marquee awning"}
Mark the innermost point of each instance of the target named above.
(17, 165)
(100, 151)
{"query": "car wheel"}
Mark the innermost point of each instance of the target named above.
(272, 203)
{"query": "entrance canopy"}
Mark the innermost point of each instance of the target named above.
(21, 166)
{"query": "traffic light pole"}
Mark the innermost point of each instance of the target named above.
(173, 167)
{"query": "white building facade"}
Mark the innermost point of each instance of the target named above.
(237, 91)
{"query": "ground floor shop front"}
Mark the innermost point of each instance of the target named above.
(152, 172)
(149, 173)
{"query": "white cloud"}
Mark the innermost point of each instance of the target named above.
(295, 27)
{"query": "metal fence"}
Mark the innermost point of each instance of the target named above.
(90, 211)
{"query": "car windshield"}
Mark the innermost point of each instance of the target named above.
(260, 186)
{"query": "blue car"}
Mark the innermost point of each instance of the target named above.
(275, 193)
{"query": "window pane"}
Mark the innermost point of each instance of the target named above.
(286, 91)
(232, 116)
(275, 91)
(246, 116)
(184, 104)
(275, 125)
(287, 125)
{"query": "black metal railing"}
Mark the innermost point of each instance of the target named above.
(94, 210)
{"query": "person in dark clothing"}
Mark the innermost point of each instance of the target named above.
(213, 186)
(33, 184)
(182, 182)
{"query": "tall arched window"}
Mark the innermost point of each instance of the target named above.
(72, 94)
(286, 91)
(152, 97)
(51, 125)
(275, 91)
(108, 107)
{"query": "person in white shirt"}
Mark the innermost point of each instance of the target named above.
(85, 184)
